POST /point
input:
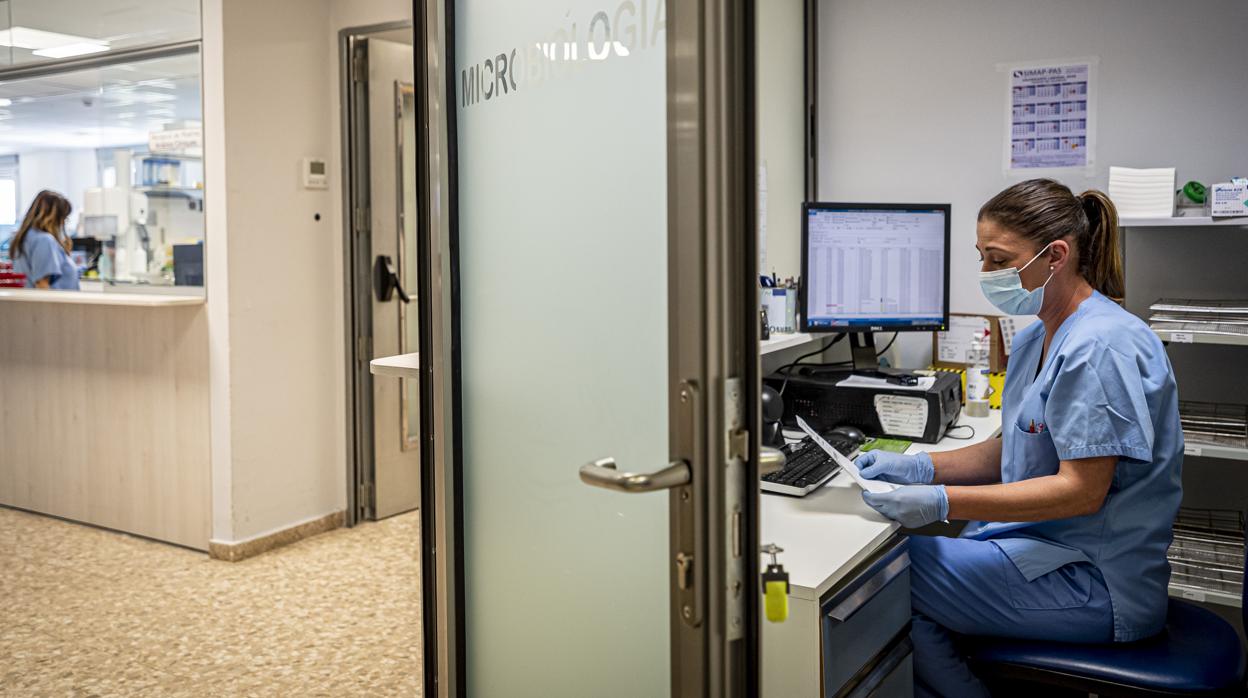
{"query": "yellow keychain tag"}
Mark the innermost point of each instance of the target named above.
(775, 587)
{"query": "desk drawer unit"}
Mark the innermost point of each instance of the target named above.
(865, 629)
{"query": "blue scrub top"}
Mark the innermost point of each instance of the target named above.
(42, 256)
(1106, 389)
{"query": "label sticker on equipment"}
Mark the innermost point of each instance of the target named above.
(1181, 337)
(1189, 450)
(901, 415)
(1193, 595)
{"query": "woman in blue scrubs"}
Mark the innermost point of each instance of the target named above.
(40, 249)
(1071, 510)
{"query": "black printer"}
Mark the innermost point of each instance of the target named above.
(828, 398)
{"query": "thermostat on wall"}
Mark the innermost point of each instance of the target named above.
(314, 174)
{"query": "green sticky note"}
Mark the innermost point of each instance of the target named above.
(894, 445)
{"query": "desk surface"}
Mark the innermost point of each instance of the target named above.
(402, 366)
(829, 531)
(31, 295)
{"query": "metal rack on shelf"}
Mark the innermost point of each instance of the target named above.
(1207, 556)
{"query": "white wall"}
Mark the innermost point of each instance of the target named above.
(285, 312)
(278, 362)
(911, 104)
(781, 89)
(68, 172)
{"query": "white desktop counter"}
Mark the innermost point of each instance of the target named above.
(100, 297)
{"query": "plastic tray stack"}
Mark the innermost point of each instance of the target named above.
(1207, 555)
(1214, 423)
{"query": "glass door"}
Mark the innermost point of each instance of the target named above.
(563, 278)
(598, 477)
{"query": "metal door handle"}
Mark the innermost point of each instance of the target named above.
(602, 473)
(770, 460)
(386, 280)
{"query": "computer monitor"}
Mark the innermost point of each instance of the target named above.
(874, 268)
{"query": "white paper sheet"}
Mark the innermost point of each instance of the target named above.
(846, 464)
(1147, 193)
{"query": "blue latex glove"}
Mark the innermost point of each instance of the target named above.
(896, 467)
(911, 506)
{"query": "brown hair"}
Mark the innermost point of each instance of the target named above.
(1043, 211)
(47, 213)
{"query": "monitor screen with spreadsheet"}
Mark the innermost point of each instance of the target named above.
(874, 267)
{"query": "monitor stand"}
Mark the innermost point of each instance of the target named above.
(862, 347)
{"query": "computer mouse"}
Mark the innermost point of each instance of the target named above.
(850, 432)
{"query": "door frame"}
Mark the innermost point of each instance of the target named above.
(713, 335)
(357, 265)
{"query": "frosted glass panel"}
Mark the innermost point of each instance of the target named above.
(562, 213)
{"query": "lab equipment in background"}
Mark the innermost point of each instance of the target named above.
(143, 222)
(977, 386)
(161, 171)
(1142, 193)
(874, 268)
(86, 253)
(188, 265)
(826, 398)
(1182, 317)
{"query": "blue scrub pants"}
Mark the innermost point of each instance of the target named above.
(969, 587)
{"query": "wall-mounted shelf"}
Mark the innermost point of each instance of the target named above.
(1237, 340)
(778, 342)
(1181, 222)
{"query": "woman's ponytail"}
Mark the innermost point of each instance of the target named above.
(1100, 254)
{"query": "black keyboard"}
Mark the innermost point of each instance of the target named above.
(806, 466)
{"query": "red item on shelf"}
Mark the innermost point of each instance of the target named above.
(10, 278)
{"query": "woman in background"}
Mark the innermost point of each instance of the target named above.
(40, 249)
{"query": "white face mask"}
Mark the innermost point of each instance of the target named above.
(1004, 289)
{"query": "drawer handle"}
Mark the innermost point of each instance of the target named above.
(847, 608)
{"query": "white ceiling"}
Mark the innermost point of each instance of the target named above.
(120, 23)
(101, 107)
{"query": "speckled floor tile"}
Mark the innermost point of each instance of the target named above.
(37, 664)
(108, 614)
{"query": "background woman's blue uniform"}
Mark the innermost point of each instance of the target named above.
(1106, 389)
(43, 257)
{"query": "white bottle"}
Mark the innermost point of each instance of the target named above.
(977, 387)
